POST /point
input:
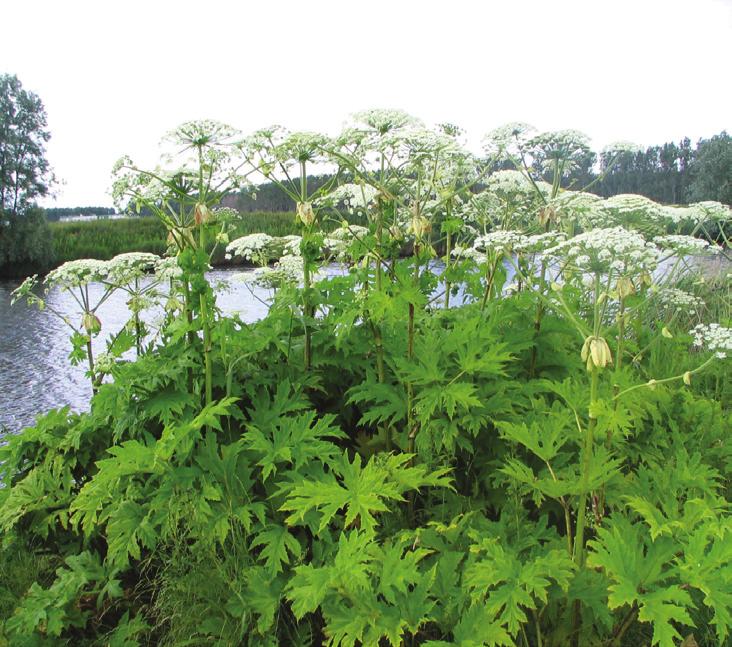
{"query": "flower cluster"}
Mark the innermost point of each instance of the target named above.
(124, 268)
(253, 247)
(167, 269)
(683, 245)
(383, 121)
(509, 183)
(620, 148)
(714, 338)
(203, 133)
(462, 252)
(352, 196)
(507, 138)
(714, 211)
(629, 209)
(77, 273)
(673, 299)
(291, 244)
(500, 241)
(567, 147)
(585, 209)
(539, 242)
(604, 250)
(338, 241)
(288, 270)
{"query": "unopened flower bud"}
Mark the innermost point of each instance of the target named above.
(202, 214)
(596, 353)
(91, 323)
(395, 231)
(305, 213)
(625, 287)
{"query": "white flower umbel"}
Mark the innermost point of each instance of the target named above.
(559, 150)
(630, 209)
(714, 338)
(167, 269)
(510, 183)
(539, 242)
(253, 247)
(288, 270)
(675, 300)
(77, 273)
(683, 245)
(339, 240)
(613, 249)
(124, 268)
(508, 139)
(291, 245)
(354, 197)
(714, 211)
(585, 209)
(621, 148)
(384, 120)
(460, 252)
(500, 241)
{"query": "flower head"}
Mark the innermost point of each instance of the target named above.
(77, 273)
(714, 338)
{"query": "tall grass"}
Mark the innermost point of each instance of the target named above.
(104, 239)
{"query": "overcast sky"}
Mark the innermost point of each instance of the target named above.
(115, 75)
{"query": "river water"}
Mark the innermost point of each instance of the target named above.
(35, 373)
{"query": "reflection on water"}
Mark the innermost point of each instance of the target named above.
(35, 373)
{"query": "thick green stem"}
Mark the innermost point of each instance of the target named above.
(138, 325)
(448, 250)
(537, 324)
(206, 325)
(308, 352)
(308, 310)
(90, 358)
(488, 286)
(376, 327)
(579, 544)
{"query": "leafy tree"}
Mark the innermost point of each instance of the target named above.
(711, 170)
(25, 242)
(25, 239)
(24, 171)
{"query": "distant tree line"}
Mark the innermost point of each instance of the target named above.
(675, 173)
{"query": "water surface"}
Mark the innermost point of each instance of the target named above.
(35, 372)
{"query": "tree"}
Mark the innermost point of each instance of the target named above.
(711, 170)
(24, 171)
(25, 239)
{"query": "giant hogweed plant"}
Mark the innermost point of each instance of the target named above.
(91, 283)
(431, 476)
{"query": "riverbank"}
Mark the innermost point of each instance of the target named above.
(103, 239)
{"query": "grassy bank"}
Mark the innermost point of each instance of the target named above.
(104, 239)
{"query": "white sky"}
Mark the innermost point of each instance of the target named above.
(115, 75)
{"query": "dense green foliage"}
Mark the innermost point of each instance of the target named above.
(542, 462)
(26, 242)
